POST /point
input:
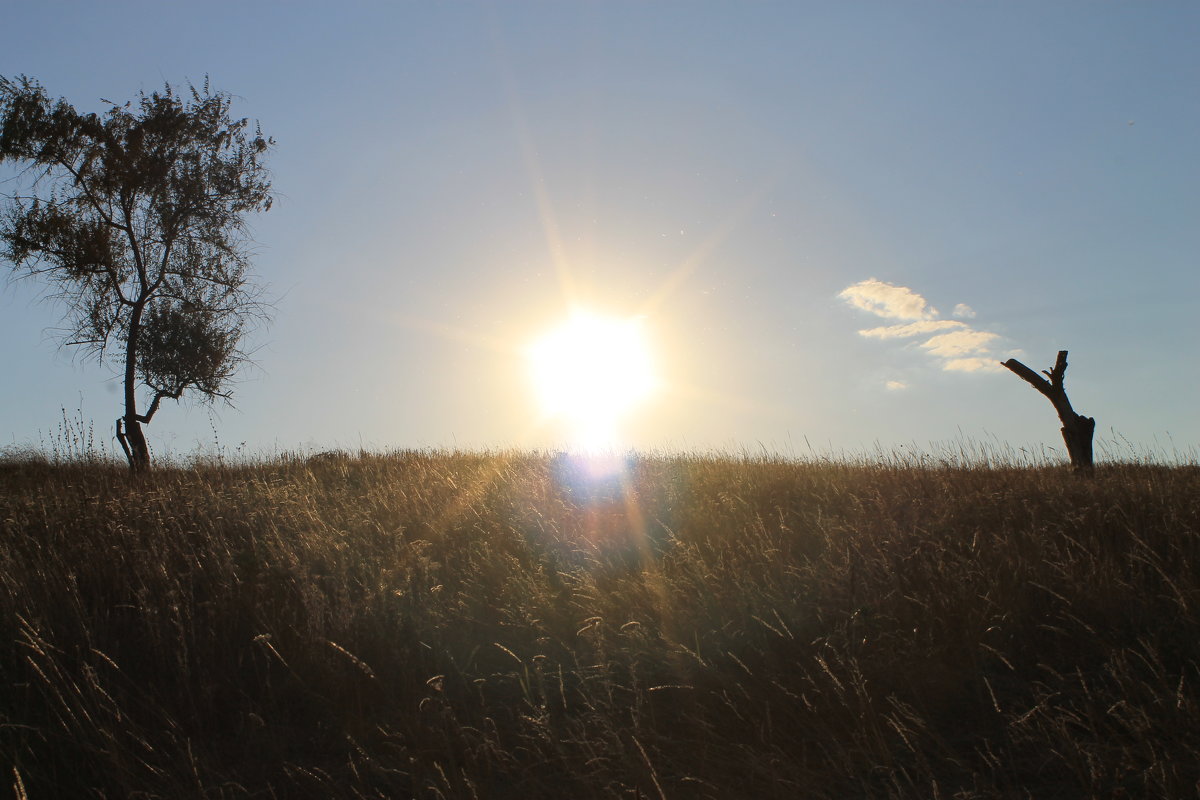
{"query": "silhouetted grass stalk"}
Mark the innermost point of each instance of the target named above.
(498, 625)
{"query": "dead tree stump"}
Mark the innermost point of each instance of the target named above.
(1077, 429)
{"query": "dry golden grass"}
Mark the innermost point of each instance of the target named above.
(492, 625)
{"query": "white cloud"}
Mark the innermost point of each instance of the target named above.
(911, 329)
(895, 386)
(976, 364)
(958, 346)
(959, 343)
(888, 301)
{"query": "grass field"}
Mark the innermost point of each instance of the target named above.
(466, 625)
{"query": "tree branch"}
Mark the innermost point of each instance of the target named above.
(1053, 388)
(124, 441)
(87, 192)
(1034, 380)
(158, 398)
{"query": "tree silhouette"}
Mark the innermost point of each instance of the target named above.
(1076, 429)
(135, 218)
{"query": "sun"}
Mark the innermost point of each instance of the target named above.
(590, 372)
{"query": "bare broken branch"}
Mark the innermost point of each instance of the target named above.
(1077, 430)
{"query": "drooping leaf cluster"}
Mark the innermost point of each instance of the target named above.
(135, 218)
(187, 348)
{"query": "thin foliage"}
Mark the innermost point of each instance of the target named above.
(135, 221)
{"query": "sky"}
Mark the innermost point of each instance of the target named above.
(828, 222)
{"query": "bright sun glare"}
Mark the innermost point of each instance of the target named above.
(590, 372)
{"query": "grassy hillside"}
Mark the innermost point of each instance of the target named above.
(495, 626)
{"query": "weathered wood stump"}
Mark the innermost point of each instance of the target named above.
(1077, 430)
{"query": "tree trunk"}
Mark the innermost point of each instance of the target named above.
(133, 442)
(1078, 436)
(1076, 429)
(129, 434)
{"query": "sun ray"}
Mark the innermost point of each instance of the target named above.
(458, 334)
(676, 278)
(726, 400)
(537, 180)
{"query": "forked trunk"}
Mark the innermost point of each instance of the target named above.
(129, 427)
(1076, 429)
(133, 442)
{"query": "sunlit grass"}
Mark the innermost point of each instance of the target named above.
(515, 625)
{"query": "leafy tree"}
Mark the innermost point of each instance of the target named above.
(136, 220)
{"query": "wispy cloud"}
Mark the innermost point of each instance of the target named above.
(959, 346)
(974, 364)
(896, 386)
(911, 329)
(888, 301)
(960, 343)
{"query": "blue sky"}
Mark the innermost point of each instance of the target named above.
(451, 177)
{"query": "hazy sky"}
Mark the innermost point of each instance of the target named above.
(832, 219)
